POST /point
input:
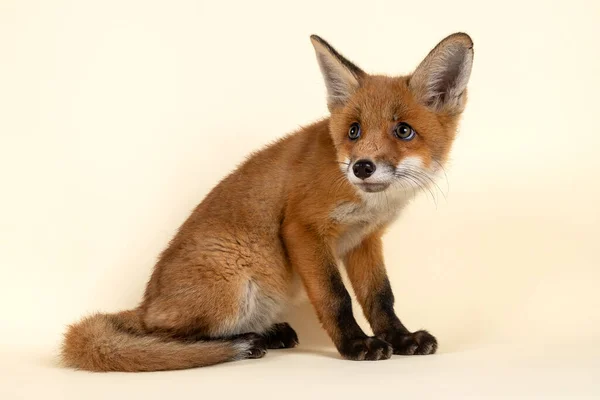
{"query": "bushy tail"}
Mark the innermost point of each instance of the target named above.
(118, 342)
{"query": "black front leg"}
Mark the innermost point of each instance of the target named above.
(387, 326)
(367, 273)
(315, 264)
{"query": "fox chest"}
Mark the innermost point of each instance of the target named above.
(361, 219)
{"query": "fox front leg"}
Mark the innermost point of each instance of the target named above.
(367, 273)
(314, 262)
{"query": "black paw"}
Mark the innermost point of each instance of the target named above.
(251, 345)
(368, 348)
(281, 336)
(419, 342)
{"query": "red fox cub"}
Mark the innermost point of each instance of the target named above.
(290, 213)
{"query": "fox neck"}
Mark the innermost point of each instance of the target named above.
(369, 213)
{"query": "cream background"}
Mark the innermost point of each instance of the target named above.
(117, 117)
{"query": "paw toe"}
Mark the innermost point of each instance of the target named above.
(281, 336)
(417, 343)
(427, 344)
(370, 349)
(255, 345)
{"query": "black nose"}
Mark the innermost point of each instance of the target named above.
(363, 169)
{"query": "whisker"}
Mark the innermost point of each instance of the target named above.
(424, 186)
(415, 183)
(337, 184)
(425, 178)
(429, 178)
(445, 175)
(418, 182)
(387, 201)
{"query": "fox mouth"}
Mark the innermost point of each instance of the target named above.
(372, 187)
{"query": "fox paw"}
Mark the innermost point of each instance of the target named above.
(368, 348)
(252, 345)
(419, 342)
(281, 336)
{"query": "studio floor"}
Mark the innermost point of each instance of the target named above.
(504, 370)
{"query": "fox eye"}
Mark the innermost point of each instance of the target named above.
(354, 131)
(404, 131)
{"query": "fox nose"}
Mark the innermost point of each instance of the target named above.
(363, 169)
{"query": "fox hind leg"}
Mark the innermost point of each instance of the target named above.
(254, 345)
(250, 345)
(281, 336)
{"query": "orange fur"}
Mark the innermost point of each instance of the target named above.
(288, 210)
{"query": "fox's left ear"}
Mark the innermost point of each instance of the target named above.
(342, 78)
(440, 81)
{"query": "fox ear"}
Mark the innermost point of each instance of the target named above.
(342, 78)
(440, 81)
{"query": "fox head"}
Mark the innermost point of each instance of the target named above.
(396, 131)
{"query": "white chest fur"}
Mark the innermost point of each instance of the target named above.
(361, 219)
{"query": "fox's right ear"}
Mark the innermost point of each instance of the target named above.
(342, 78)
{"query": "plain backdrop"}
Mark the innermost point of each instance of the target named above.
(117, 117)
